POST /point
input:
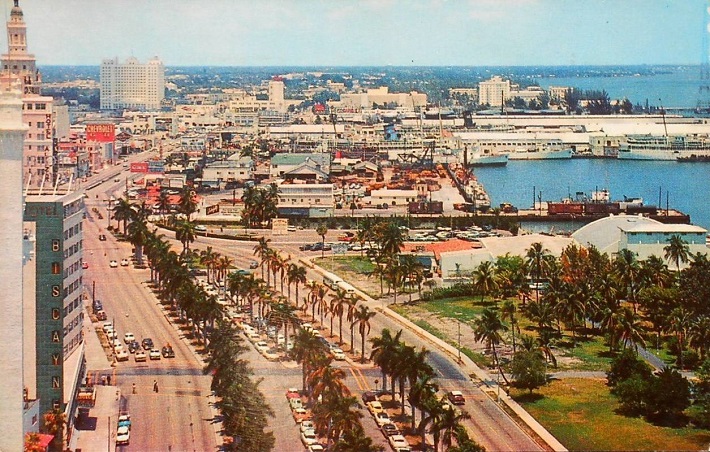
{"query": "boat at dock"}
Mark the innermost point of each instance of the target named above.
(540, 153)
(481, 159)
(682, 148)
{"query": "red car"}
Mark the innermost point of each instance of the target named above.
(84, 265)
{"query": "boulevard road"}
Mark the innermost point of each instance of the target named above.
(178, 417)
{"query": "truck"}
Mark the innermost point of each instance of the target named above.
(86, 396)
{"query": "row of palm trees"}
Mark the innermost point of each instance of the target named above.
(406, 366)
(242, 405)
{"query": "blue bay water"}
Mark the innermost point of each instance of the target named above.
(678, 87)
(687, 184)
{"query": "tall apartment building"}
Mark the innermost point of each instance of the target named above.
(132, 85)
(55, 221)
(494, 91)
(19, 67)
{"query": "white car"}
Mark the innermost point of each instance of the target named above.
(123, 435)
(140, 356)
(261, 346)
(315, 448)
(128, 338)
(113, 264)
(338, 354)
(116, 344)
(154, 354)
(107, 326)
(382, 418)
(124, 262)
(398, 441)
(201, 228)
(307, 425)
(309, 437)
(122, 355)
(295, 403)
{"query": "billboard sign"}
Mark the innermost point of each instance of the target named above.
(103, 133)
(155, 166)
(139, 167)
(211, 210)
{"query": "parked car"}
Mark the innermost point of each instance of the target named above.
(253, 264)
(134, 346)
(147, 343)
(301, 414)
(309, 437)
(382, 418)
(368, 396)
(456, 397)
(101, 315)
(201, 228)
(315, 448)
(128, 338)
(122, 355)
(390, 430)
(140, 356)
(375, 407)
(338, 354)
(398, 441)
(306, 425)
(295, 403)
(154, 354)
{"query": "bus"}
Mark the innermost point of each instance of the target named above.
(331, 281)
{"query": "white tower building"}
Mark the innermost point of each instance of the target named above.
(131, 84)
(12, 134)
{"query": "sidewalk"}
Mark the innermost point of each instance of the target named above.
(98, 431)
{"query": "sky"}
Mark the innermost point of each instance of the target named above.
(366, 32)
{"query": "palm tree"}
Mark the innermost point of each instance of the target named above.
(163, 203)
(341, 418)
(261, 249)
(124, 211)
(446, 425)
(187, 204)
(185, 233)
(363, 316)
(679, 323)
(306, 348)
(208, 257)
(631, 329)
(421, 390)
(54, 422)
(137, 233)
(329, 382)
(384, 349)
(390, 238)
(509, 308)
(677, 251)
(322, 230)
(488, 328)
(484, 278)
(536, 258)
(337, 309)
(351, 317)
(284, 314)
(355, 440)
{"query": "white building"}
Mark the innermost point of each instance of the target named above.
(131, 84)
(234, 169)
(644, 236)
(494, 91)
(393, 197)
(12, 132)
(305, 200)
(380, 97)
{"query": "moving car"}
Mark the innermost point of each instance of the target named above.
(123, 435)
(154, 354)
(456, 397)
(124, 262)
(253, 264)
(113, 264)
(338, 354)
(102, 237)
(140, 356)
(84, 265)
(168, 352)
(101, 315)
(128, 338)
(201, 228)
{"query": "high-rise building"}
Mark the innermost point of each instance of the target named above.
(494, 91)
(55, 220)
(132, 85)
(12, 131)
(18, 66)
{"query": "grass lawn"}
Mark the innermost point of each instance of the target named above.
(591, 354)
(580, 414)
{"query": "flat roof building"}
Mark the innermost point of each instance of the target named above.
(132, 85)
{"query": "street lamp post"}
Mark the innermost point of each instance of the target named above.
(459, 328)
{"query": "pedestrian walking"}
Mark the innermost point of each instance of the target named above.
(134, 388)
(155, 386)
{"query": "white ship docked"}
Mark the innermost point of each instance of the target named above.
(544, 152)
(671, 147)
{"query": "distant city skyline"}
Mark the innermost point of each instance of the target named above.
(366, 32)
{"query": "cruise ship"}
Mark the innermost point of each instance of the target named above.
(544, 152)
(654, 147)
